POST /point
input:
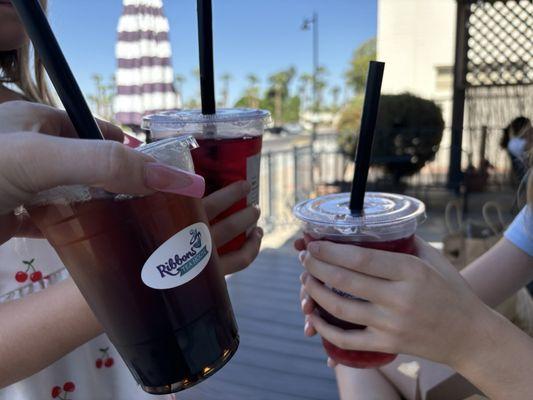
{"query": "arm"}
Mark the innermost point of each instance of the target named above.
(41, 328)
(499, 359)
(419, 306)
(494, 278)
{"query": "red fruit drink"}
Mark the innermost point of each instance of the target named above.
(148, 270)
(230, 149)
(388, 223)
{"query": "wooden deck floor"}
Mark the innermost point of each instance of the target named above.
(275, 361)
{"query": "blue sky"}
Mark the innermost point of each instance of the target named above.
(259, 36)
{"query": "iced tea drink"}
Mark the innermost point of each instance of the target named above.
(389, 222)
(230, 149)
(149, 271)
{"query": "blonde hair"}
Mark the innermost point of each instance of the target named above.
(15, 68)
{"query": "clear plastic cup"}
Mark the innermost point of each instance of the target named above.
(149, 271)
(389, 222)
(230, 149)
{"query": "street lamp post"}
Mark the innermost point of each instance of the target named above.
(306, 26)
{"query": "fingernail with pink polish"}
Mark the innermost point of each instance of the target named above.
(165, 178)
(131, 141)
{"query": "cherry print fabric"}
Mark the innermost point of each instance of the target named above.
(93, 370)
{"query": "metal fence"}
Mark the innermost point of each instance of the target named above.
(291, 175)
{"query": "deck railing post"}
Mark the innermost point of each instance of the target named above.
(295, 163)
(270, 187)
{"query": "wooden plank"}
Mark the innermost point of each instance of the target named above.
(267, 295)
(272, 314)
(256, 324)
(291, 348)
(251, 279)
(278, 382)
(275, 361)
(223, 390)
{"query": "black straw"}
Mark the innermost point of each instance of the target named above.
(205, 43)
(40, 33)
(366, 135)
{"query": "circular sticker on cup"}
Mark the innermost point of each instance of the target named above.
(180, 259)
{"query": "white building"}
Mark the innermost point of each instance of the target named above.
(416, 39)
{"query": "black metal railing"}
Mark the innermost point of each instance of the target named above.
(297, 173)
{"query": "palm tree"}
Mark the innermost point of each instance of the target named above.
(303, 89)
(252, 92)
(225, 78)
(178, 81)
(280, 84)
(197, 93)
(321, 85)
(252, 79)
(102, 100)
(335, 93)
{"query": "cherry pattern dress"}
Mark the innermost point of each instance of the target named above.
(93, 370)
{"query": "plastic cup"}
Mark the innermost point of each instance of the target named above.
(230, 149)
(388, 222)
(150, 273)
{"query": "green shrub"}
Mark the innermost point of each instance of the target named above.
(408, 133)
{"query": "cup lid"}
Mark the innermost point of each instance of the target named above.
(178, 119)
(381, 210)
(168, 146)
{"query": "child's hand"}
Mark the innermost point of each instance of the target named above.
(232, 226)
(417, 305)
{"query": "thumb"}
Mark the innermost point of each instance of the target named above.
(30, 163)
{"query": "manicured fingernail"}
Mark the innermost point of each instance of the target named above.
(303, 277)
(131, 141)
(259, 233)
(331, 363)
(301, 255)
(313, 247)
(165, 178)
(308, 329)
(303, 303)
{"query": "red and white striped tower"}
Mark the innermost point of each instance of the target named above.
(144, 77)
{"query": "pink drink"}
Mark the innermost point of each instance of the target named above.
(389, 224)
(230, 149)
(222, 162)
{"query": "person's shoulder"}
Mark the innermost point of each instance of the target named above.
(520, 232)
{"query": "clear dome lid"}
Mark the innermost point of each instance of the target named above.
(226, 122)
(173, 151)
(384, 215)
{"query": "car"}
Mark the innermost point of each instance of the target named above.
(286, 130)
(293, 129)
(276, 130)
